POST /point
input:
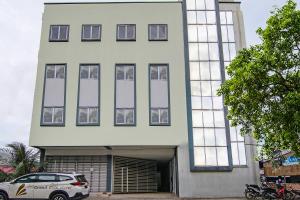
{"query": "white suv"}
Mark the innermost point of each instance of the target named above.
(53, 186)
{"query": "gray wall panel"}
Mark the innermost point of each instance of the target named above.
(54, 92)
(89, 90)
(124, 94)
(159, 94)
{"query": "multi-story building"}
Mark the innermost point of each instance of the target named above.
(126, 94)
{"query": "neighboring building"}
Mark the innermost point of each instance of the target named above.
(126, 94)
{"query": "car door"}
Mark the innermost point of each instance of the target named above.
(47, 183)
(22, 188)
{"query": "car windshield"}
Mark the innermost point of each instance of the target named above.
(81, 178)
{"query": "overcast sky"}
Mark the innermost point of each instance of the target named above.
(20, 22)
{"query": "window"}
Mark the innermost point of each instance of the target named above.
(159, 94)
(237, 147)
(54, 95)
(125, 108)
(46, 178)
(26, 179)
(64, 178)
(91, 32)
(158, 32)
(126, 32)
(59, 33)
(88, 110)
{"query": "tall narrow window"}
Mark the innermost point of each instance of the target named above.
(88, 111)
(59, 33)
(54, 95)
(126, 32)
(209, 132)
(159, 94)
(125, 110)
(91, 32)
(229, 50)
(158, 32)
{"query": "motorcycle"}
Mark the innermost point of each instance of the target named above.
(252, 192)
(280, 193)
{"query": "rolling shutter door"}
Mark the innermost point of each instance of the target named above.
(94, 168)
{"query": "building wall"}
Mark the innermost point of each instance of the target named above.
(219, 184)
(108, 52)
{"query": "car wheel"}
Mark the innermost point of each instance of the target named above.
(59, 197)
(3, 196)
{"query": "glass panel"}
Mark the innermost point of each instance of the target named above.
(209, 136)
(198, 136)
(195, 88)
(129, 73)
(86, 31)
(129, 117)
(242, 155)
(54, 32)
(164, 116)
(192, 31)
(222, 156)
(60, 71)
(120, 73)
(201, 18)
(230, 34)
(190, 4)
(154, 116)
(226, 52)
(196, 102)
(239, 136)
(208, 119)
(121, 31)
(63, 35)
(204, 71)
(215, 85)
(218, 102)
(58, 115)
(93, 115)
(203, 51)
(163, 75)
(224, 34)
(221, 137)
(200, 5)
(47, 116)
(235, 155)
(232, 51)
(120, 116)
(233, 137)
(202, 33)
(197, 118)
(191, 17)
(214, 51)
(84, 72)
(130, 32)
(153, 32)
(211, 17)
(199, 156)
(219, 118)
(211, 156)
(96, 32)
(193, 51)
(50, 72)
(207, 102)
(205, 88)
(212, 33)
(223, 17)
(94, 72)
(210, 4)
(154, 73)
(83, 115)
(229, 17)
(215, 71)
(194, 71)
(162, 32)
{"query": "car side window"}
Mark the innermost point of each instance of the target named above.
(64, 178)
(47, 178)
(26, 179)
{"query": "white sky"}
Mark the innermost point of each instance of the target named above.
(20, 24)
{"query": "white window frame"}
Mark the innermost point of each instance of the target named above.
(88, 115)
(53, 112)
(89, 71)
(55, 70)
(126, 32)
(125, 112)
(91, 32)
(158, 72)
(159, 116)
(157, 36)
(59, 36)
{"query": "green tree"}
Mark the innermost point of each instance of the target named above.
(263, 92)
(24, 159)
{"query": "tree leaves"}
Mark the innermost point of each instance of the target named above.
(263, 93)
